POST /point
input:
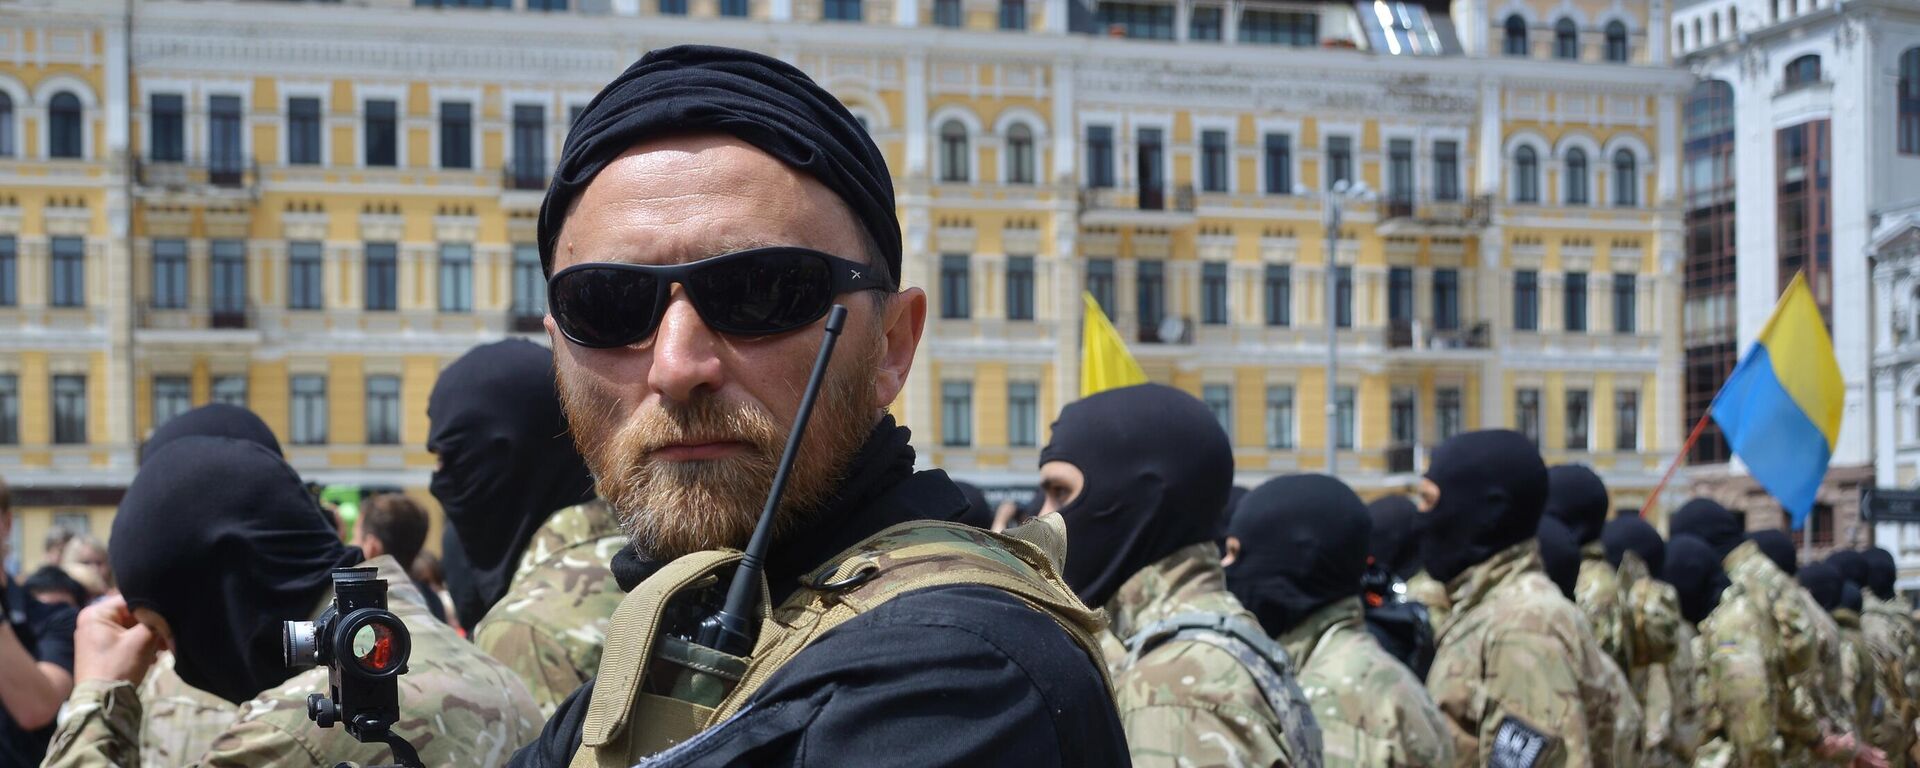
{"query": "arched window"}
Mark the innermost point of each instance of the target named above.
(1019, 154)
(1566, 40)
(1916, 412)
(1803, 71)
(1516, 44)
(1576, 177)
(1680, 37)
(1626, 179)
(1909, 106)
(63, 126)
(1715, 27)
(954, 155)
(1616, 42)
(1526, 175)
(6, 125)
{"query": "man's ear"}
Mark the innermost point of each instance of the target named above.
(902, 320)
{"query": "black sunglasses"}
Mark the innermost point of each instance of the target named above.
(756, 292)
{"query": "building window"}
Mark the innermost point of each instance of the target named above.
(1343, 416)
(1579, 419)
(1149, 21)
(229, 261)
(1150, 294)
(230, 390)
(1626, 179)
(955, 157)
(1013, 14)
(673, 7)
(1400, 171)
(1213, 161)
(1339, 160)
(956, 286)
(1219, 400)
(1446, 299)
(1279, 28)
(956, 413)
(304, 277)
(69, 410)
(1448, 417)
(733, 8)
(1566, 40)
(1909, 102)
(172, 396)
(1100, 156)
(1204, 23)
(529, 284)
(9, 409)
(1624, 300)
(225, 154)
(1516, 38)
(1278, 293)
(383, 410)
(9, 271)
(1803, 71)
(456, 134)
(1399, 295)
(64, 127)
(1526, 300)
(303, 131)
(529, 163)
(1020, 154)
(1343, 297)
(546, 5)
(169, 274)
(1023, 414)
(1279, 155)
(1626, 420)
(1213, 293)
(383, 276)
(842, 10)
(1575, 308)
(946, 13)
(1616, 42)
(1577, 179)
(456, 277)
(69, 272)
(381, 129)
(1280, 417)
(7, 142)
(1526, 411)
(1526, 175)
(1019, 287)
(309, 410)
(167, 136)
(1100, 283)
(1446, 171)
(1403, 417)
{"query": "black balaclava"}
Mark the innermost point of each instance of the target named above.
(506, 464)
(1234, 496)
(1709, 522)
(1395, 543)
(1880, 573)
(1559, 555)
(1694, 570)
(1851, 597)
(1824, 582)
(1492, 487)
(219, 536)
(1303, 546)
(1157, 466)
(978, 513)
(213, 420)
(1632, 534)
(1852, 565)
(1578, 499)
(695, 89)
(1778, 547)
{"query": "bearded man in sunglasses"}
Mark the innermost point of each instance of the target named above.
(710, 206)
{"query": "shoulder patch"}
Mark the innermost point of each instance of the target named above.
(1516, 745)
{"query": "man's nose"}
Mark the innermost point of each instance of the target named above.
(686, 362)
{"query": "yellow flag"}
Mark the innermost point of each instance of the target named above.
(1105, 362)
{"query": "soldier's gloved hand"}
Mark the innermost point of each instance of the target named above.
(110, 644)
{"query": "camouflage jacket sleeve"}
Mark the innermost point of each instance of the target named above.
(1531, 679)
(1738, 689)
(102, 727)
(1194, 704)
(543, 662)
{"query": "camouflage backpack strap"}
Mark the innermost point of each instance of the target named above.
(908, 557)
(1263, 658)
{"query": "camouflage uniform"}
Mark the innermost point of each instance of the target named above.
(1371, 710)
(1428, 591)
(1517, 672)
(458, 708)
(1764, 687)
(551, 624)
(1857, 671)
(1895, 645)
(1665, 677)
(1598, 594)
(181, 721)
(1837, 702)
(1191, 703)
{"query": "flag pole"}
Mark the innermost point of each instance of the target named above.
(1698, 428)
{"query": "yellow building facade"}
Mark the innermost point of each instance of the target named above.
(310, 209)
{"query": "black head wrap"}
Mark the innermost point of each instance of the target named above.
(1852, 565)
(1492, 487)
(1824, 582)
(1395, 543)
(1559, 555)
(1709, 522)
(1778, 547)
(1880, 573)
(213, 420)
(1234, 497)
(1158, 467)
(1303, 545)
(1694, 570)
(506, 464)
(1851, 597)
(1631, 534)
(219, 536)
(1578, 499)
(978, 512)
(695, 89)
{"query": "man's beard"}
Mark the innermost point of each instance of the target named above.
(670, 508)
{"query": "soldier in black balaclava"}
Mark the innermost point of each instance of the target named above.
(1778, 547)
(1559, 554)
(1693, 568)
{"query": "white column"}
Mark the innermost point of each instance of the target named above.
(916, 114)
(1489, 162)
(781, 10)
(1667, 183)
(906, 13)
(1066, 130)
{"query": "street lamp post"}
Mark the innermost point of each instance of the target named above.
(1331, 212)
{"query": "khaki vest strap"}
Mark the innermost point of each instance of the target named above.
(630, 638)
(1047, 534)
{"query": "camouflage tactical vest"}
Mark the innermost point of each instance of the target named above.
(657, 690)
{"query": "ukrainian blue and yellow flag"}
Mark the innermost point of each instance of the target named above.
(1780, 410)
(1105, 362)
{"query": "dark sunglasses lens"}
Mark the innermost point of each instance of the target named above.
(762, 293)
(604, 306)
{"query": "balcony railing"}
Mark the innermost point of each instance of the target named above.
(1400, 459)
(1425, 210)
(1400, 334)
(524, 176)
(1476, 336)
(1167, 330)
(1145, 198)
(521, 322)
(240, 317)
(228, 176)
